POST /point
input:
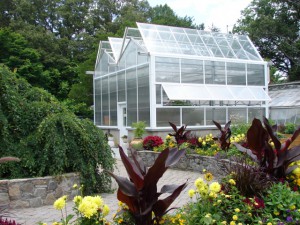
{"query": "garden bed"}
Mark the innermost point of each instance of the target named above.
(192, 162)
(35, 192)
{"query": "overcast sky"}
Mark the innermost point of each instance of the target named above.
(220, 13)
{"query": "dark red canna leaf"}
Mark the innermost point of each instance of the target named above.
(138, 162)
(158, 169)
(162, 205)
(217, 125)
(257, 137)
(169, 188)
(174, 156)
(125, 185)
(275, 140)
(131, 202)
(133, 172)
(287, 157)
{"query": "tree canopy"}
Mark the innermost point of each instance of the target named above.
(273, 26)
(61, 37)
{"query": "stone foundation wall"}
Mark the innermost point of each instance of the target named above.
(35, 192)
(190, 162)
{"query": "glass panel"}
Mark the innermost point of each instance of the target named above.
(98, 102)
(255, 74)
(237, 116)
(121, 86)
(193, 116)
(165, 115)
(130, 55)
(214, 72)
(143, 95)
(236, 73)
(105, 102)
(158, 93)
(113, 100)
(257, 113)
(167, 70)
(215, 114)
(191, 71)
(104, 64)
(242, 93)
(124, 115)
(259, 93)
(131, 96)
(220, 92)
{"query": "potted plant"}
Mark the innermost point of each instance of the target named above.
(125, 138)
(139, 130)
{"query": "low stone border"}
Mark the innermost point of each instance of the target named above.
(192, 162)
(35, 192)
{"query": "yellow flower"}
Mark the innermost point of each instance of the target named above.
(232, 223)
(260, 222)
(77, 199)
(75, 186)
(44, 223)
(224, 222)
(235, 217)
(297, 171)
(105, 210)
(213, 194)
(276, 213)
(120, 221)
(269, 223)
(203, 143)
(215, 187)
(232, 181)
(208, 215)
(292, 207)
(199, 182)
(237, 210)
(240, 224)
(208, 176)
(191, 193)
(60, 203)
(89, 206)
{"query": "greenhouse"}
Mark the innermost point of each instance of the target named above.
(186, 76)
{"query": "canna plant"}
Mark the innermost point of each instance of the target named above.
(274, 161)
(139, 192)
(180, 134)
(224, 136)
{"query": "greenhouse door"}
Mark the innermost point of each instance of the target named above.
(122, 121)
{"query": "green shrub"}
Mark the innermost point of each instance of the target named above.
(139, 129)
(240, 128)
(47, 137)
(289, 128)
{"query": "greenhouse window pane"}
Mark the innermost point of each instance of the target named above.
(216, 114)
(158, 93)
(165, 115)
(259, 94)
(193, 117)
(237, 116)
(257, 113)
(167, 69)
(255, 74)
(242, 93)
(214, 72)
(192, 71)
(236, 73)
(186, 92)
(220, 93)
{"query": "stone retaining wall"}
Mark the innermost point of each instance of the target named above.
(35, 192)
(192, 162)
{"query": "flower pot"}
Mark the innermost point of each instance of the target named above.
(137, 143)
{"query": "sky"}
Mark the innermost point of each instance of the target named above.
(220, 13)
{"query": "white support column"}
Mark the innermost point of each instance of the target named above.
(152, 89)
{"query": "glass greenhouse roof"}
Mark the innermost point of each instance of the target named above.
(185, 41)
(214, 92)
(116, 46)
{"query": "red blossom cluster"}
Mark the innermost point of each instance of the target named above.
(256, 202)
(152, 141)
(7, 222)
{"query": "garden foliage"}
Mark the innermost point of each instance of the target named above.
(224, 136)
(49, 139)
(274, 161)
(180, 135)
(139, 192)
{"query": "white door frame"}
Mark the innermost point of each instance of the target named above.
(122, 115)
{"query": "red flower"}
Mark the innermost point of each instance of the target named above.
(152, 141)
